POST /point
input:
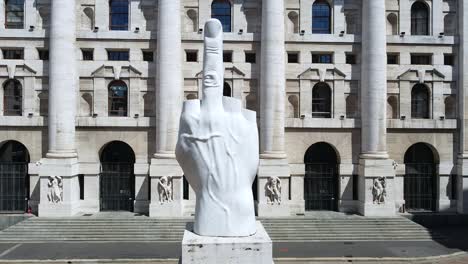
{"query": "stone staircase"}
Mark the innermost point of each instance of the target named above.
(144, 229)
(353, 228)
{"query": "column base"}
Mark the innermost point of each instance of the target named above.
(166, 167)
(257, 248)
(369, 171)
(275, 168)
(59, 188)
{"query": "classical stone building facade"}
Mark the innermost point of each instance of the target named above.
(360, 103)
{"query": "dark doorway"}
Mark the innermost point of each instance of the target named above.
(321, 178)
(14, 178)
(117, 183)
(420, 183)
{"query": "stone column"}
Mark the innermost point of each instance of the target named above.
(462, 165)
(169, 94)
(273, 162)
(61, 161)
(374, 162)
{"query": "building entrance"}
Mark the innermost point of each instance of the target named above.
(117, 179)
(321, 178)
(420, 191)
(14, 179)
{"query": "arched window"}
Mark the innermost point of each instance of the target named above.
(392, 107)
(321, 101)
(227, 91)
(450, 107)
(293, 22)
(118, 16)
(118, 96)
(392, 24)
(420, 101)
(419, 19)
(12, 98)
(221, 10)
(321, 17)
(450, 24)
(14, 14)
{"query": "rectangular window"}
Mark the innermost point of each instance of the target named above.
(118, 17)
(393, 59)
(448, 59)
(13, 54)
(293, 57)
(421, 59)
(250, 57)
(118, 55)
(322, 58)
(88, 54)
(191, 55)
(43, 54)
(350, 59)
(148, 56)
(14, 14)
(227, 56)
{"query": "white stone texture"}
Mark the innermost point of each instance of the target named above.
(63, 80)
(257, 248)
(373, 79)
(169, 77)
(272, 82)
(218, 150)
(68, 171)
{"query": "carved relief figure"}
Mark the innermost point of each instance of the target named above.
(165, 189)
(273, 190)
(379, 190)
(55, 192)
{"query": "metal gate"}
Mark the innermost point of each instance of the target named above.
(320, 187)
(13, 187)
(117, 186)
(420, 187)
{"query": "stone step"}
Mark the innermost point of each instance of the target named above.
(171, 230)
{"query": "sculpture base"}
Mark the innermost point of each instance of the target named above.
(256, 249)
(68, 170)
(369, 170)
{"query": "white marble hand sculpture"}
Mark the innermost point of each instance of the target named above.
(218, 150)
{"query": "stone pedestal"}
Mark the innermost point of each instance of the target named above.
(67, 170)
(276, 168)
(256, 249)
(166, 168)
(369, 170)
